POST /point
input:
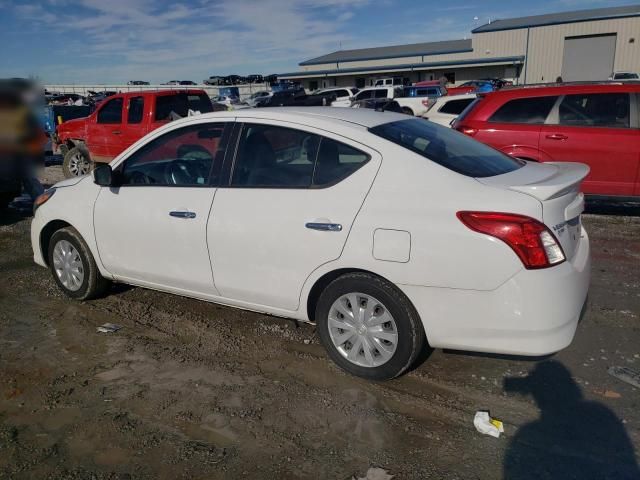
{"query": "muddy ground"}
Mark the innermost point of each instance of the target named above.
(193, 390)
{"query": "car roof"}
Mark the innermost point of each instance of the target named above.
(564, 88)
(363, 117)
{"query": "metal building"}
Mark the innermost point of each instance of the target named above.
(576, 45)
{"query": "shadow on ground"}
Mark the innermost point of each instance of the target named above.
(573, 438)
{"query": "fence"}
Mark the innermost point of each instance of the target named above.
(212, 90)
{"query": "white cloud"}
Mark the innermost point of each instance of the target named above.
(123, 39)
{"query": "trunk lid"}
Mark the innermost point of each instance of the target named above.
(557, 186)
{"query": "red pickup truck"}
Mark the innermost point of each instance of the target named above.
(120, 121)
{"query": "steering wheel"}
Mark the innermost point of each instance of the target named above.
(180, 172)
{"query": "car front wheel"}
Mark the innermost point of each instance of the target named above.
(369, 327)
(73, 267)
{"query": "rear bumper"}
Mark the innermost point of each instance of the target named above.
(536, 312)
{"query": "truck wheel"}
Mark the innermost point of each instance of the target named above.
(76, 163)
(407, 111)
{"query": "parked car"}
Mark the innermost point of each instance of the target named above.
(343, 95)
(120, 121)
(257, 97)
(447, 108)
(474, 86)
(417, 106)
(187, 82)
(172, 82)
(296, 98)
(390, 233)
(498, 83)
(596, 124)
(390, 82)
(379, 104)
(624, 76)
(137, 82)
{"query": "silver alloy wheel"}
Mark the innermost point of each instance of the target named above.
(68, 265)
(79, 164)
(362, 330)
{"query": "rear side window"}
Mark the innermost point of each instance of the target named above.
(111, 112)
(455, 107)
(595, 110)
(447, 147)
(532, 110)
(364, 95)
(170, 107)
(336, 162)
(136, 109)
(274, 157)
(382, 93)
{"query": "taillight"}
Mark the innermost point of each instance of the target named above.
(428, 102)
(531, 240)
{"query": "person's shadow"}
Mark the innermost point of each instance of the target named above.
(573, 439)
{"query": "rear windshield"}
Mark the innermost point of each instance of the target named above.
(447, 147)
(180, 104)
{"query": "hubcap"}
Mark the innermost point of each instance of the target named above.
(79, 165)
(68, 265)
(362, 330)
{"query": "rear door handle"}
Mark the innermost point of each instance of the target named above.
(182, 214)
(116, 132)
(324, 227)
(557, 136)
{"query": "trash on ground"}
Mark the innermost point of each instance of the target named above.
(487, 425)
(607, 393)
(626, 374)
(108, 328)
(375, 473)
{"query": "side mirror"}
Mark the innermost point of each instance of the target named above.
(103, 175)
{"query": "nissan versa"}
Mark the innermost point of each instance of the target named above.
(391, 233)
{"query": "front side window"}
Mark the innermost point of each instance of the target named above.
(136, 109)
(533, 110)
(111, 112)
(276, 157)
(595, 110)
(455, 107)
(447, 147)
(184, 157)
(381, 93)
(364, 95)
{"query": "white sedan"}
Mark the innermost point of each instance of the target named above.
(391, 234)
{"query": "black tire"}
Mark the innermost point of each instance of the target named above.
(71, 158)
(407, 111)
(410, 332)
(93, 284)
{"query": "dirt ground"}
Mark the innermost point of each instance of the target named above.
(194, 390)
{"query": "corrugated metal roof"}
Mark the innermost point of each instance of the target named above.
(559, 18)
(393, 51)
(408, 66)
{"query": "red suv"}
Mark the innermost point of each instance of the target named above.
(596, 124)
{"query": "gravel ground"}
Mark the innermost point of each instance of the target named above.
(194, 390)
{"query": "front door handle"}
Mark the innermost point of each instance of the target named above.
(182, 214)
(116, 132)
(324, 227)
(557, 136)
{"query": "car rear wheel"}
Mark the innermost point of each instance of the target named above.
(369, 327)
(73, 267)
(407, 111)
(76, 163)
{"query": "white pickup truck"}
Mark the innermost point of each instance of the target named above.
(416, 106)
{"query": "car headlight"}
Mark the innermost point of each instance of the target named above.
(43, 198)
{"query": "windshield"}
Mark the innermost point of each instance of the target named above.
(447, 147)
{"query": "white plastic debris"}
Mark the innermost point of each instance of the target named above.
(108, 328)
(626, 374)
(487, 425)
(375, 473)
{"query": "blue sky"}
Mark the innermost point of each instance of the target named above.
(105, 41)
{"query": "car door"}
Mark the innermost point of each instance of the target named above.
(287, 208)
(151, 230)
(103, 136)
(136, 121)
(596, 129)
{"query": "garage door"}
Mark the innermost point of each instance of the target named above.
(588, 58)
